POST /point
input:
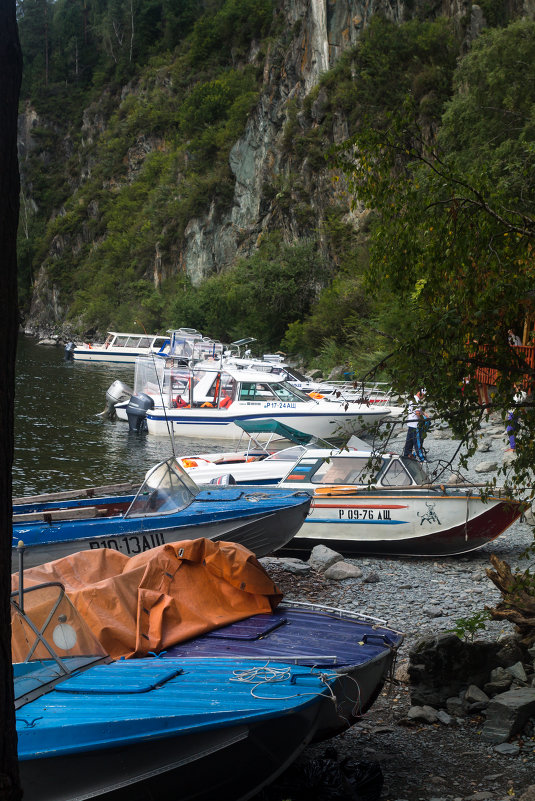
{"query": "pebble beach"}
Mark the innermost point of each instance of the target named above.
(422, 597)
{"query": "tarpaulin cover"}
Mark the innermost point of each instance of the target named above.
(146, 603)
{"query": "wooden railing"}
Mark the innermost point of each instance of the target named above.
(489, 376)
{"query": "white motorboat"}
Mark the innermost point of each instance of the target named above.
(167, 380)
(384, 504)
(365, 502)
(121, 348)
(260, 463)
(206, 402)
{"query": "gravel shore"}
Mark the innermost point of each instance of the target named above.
(423, 596)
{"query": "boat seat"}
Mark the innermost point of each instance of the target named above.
(51, 515)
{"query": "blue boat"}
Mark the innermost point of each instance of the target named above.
(356, 650)
(201, 728)
(169, 506)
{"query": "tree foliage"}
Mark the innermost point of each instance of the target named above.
(455, 231)
(261, 296)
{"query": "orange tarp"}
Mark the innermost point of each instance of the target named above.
(135, 605)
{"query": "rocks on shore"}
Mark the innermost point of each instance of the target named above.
(324, 561)
(494, 678)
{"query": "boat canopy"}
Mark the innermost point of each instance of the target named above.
(271, 426)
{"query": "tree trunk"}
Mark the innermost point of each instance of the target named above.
(10, 70)
(518, 605)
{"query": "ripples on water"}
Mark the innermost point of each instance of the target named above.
(60, 442)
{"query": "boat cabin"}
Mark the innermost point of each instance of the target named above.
(357, 469)
(135, 341)
(175, 385)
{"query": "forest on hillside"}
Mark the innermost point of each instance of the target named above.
(138, 106)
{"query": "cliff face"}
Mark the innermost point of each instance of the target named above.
(321, 32)
(273, 189)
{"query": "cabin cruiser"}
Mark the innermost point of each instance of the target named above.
(121, 348)
(210, 402)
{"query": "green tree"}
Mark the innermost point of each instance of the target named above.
(455, 231)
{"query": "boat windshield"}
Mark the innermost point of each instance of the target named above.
(295, 375)
(417, 471)
(359, 470)
(49, 642)
(288, 454)
(288, 393)
(166, 490)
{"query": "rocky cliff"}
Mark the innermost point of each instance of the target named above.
(274, 187)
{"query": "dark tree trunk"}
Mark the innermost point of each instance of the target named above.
(518, 605)
(10, 72)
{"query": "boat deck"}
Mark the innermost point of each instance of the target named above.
(295, 634)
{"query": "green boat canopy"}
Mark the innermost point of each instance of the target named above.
(270, 426)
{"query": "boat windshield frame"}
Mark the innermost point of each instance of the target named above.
(45, 613)
(415, 469)
(167, 489)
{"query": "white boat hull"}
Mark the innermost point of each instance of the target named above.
(111, 355)
(413, 523)
(324, 422)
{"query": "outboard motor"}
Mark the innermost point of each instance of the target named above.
(69, 351)
(224, 481)
(136, 411)
(116, 393)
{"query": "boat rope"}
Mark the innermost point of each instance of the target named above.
(268, 674)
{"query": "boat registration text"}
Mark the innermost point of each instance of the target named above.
(364, 514)
(132, 544)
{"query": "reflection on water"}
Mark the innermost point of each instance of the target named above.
(60, 441)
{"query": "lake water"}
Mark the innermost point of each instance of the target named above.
(60, 441)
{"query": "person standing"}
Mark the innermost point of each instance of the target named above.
(512, 418)
(413, 444)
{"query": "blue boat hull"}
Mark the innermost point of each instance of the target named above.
(359, 650)
(196, 736)
(262, 521)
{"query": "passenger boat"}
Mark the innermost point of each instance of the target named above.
(367, 503)
(132, 613)
(121, 348)
(205, 728)
(168, 506)
(177, 380)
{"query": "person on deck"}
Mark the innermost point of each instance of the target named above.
(413, 444)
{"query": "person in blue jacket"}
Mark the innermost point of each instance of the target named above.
(413, 444)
